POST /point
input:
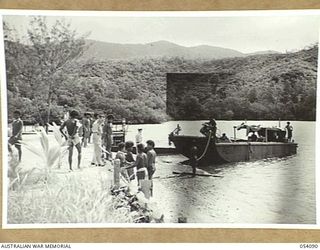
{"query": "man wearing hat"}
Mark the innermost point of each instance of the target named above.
(139, 136)
(66, 113)
(289, 129)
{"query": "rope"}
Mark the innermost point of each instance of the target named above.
(206, 148)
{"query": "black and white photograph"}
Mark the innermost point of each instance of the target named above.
(153, 119)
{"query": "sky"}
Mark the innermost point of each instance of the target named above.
(243, 33)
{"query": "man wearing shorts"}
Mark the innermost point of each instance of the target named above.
(72, 125)
(151, 162)
(17, 126)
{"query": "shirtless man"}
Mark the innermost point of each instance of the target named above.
(16, 136)
(121, 155)
(140, 163)
(72, 136)
(209, 127)
(151, 161)
(129, 158)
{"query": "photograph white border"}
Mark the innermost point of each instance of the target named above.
(62, 13)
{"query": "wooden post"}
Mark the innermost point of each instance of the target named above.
(234, 133)
(116, 172)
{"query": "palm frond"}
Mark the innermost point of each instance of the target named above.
(23, 181)
(53, 155)
(32, 149)
(57, 133)
(44, 141)
(13, 182)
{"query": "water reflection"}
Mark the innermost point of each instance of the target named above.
(278, 190)
(268, 191)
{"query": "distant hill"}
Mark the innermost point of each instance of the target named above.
(264, 86)
(104, 51)
(257, 87)
(264, 52)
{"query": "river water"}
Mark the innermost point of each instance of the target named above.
(271, 191)
(267, 191)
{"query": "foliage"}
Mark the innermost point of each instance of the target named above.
(73, 201)
(257, 87)
(49, 154)
(80, 199)
(269, 86)
(36, 66)
(254, 87)
(17, 178)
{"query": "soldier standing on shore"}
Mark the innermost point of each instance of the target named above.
(66, 113)
(129, 158)
(107, 135)
(72, 125)
(139, 136)
(96, 140)
(17, 126)
(151, 162)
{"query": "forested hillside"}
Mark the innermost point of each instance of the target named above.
(256, 87)
(51, 71)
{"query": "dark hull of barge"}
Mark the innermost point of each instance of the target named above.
(240, 151)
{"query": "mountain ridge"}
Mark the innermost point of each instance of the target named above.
(101, 51)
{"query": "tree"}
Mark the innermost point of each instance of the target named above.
(192, 108)
(229, 115)
(252, 95)
(49, 51)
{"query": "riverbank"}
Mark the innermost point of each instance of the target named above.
(84, 195)
(272, 191)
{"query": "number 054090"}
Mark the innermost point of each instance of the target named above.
(308, 245)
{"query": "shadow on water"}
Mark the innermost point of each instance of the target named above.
(217, 168)
(264, 191)
(275, 190)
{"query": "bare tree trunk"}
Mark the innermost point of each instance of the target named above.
(49, 108)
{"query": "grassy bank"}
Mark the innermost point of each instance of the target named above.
(40, 192)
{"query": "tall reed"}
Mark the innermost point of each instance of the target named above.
(49, 154)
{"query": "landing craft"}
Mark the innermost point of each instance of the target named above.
(210, 150)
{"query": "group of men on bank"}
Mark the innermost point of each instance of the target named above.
(99, 130)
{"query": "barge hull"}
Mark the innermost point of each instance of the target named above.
(216, 153)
